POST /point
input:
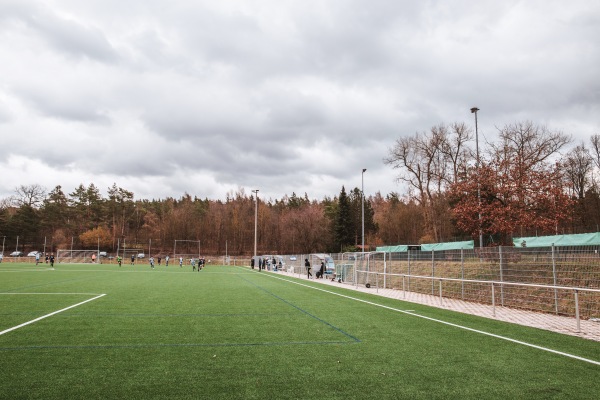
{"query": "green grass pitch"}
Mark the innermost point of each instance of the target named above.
(104, 332)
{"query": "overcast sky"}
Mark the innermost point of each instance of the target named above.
(210, 97)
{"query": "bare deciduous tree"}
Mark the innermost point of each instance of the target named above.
(596, 149)
(578, 165)
(428, 162)
(30, 195)
(528, 145)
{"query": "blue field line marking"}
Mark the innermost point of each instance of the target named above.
(165, 345)
(439, 321)
(304, 311)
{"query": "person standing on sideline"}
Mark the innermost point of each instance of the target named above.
(37, 258)
(307, 265)
(260, 265)
(322, 270)
(167, 261)
(251, 262)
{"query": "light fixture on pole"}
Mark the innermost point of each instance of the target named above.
(362, 195)
(474, 111)
(255, 218)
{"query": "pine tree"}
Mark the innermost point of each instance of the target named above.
(343, 225)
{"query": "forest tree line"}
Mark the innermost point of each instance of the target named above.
(526, 183)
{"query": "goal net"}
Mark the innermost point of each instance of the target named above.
(76, 256)
(187, 249)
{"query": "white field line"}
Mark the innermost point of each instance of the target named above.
(49, 315)
(26, 270)
(82, 294)
(447, 323)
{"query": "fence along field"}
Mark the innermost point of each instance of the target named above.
(563, 269)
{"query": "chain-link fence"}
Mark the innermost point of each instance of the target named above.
(540, 279)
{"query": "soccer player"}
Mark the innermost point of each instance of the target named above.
(167, 260)
(194, 264)
(152, 262)
(159, 261)
(180, 262)
(132, 259)
(200, 264)
(52, 260)
(37, 258)
(119, 260)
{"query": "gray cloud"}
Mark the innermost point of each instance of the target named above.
(208, 97)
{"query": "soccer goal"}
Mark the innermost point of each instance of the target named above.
(76, 256)
(186, 249)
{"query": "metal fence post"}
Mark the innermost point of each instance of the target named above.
(408, 255)
(493, 301)
(441, 297)
(462, 273)
(501, 276)
(432, 272)
(577, 311)
(384, 271)
(554, 279)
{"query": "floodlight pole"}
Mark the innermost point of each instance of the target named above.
(474, 111)
(255, 218)
(362, 196)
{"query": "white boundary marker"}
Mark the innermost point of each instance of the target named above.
(52, 313)
(445, 322)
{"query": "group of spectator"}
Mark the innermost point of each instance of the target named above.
(266, 264)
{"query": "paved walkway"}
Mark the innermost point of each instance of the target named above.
(566, 325)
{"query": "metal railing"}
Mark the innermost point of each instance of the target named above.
(577, 302)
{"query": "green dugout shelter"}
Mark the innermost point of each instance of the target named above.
(582, 239)
(469, 244)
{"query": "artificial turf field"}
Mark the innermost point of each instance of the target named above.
(234, 333)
